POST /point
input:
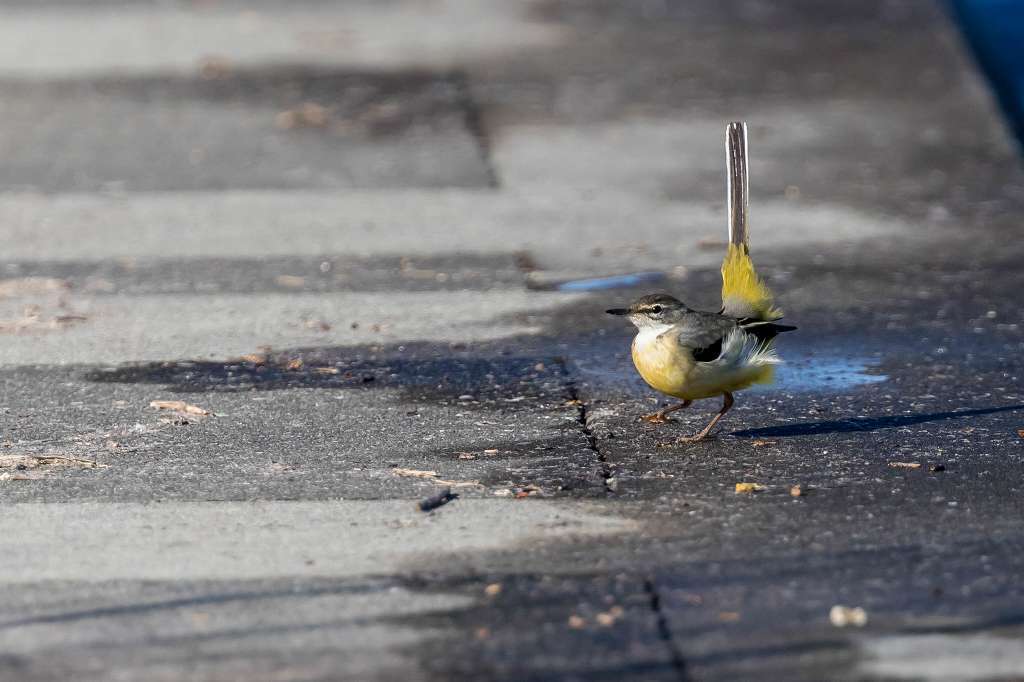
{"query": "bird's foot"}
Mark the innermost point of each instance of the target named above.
(656, 418)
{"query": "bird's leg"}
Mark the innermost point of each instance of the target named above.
(726, 406)
(660, 417)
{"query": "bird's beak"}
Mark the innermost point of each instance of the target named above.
(618, 311)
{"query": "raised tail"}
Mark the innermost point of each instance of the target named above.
(744, 294)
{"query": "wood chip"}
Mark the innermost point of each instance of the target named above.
(294, 365)
(760, 442)
(432, 476)
(255, 358)
(493, 590)
(23, 462)
(607, 618)
(309, 115)
(28, 286)
(526, 491)
(1020, 432)
(577, 622)
(326, 370)
(290, 281)
(749, 487)
(413, 473)
(796, 491)
(905, 465)
(844, 616)
(179, 406)
(317, 325)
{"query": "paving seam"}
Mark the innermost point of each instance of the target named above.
(473, 119)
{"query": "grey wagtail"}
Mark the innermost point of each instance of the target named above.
(691, 354)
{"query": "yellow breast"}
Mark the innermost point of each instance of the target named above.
(664, 364)
(670, 368)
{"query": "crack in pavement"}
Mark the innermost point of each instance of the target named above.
(573, 397)
(665, 631)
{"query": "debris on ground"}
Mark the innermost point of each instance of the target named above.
(937, 468)
(255, 358)
(797, 491)
(32, 286)
(905, 465)
(413, 473)
(1020, 432)
(493, 590)
(729, 616)
(577, 622)
(518, 492)
(845, 616)
(32, 319)
(525, 491)
(175, 421)
(294, 365)
(607, 618)
(290, 281)
(179, 406)
(24, 462)
(326, 370)
(432, 476)
(761, 442)
(318, 325)
(309, 115)
(439, 500)
(749, 487)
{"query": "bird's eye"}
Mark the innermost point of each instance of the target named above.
(655, 309)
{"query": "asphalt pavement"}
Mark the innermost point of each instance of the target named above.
(276, 273)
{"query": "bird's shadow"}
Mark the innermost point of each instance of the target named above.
(865, 424)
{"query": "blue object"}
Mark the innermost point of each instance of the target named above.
(995, 31)
(613, 282)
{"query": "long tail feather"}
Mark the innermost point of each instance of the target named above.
(737, 181)
(744, 294)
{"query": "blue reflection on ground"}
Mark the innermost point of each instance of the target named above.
(612, 282)
(826, 373)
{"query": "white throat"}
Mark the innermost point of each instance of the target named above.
(647, 333)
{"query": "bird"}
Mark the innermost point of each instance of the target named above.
(693, 354)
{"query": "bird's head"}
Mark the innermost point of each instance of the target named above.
(655, 310)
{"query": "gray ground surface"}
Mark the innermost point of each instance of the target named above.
(340, 227)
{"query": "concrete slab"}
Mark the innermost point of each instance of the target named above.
(276, 128)
(60, 38)
(90, 329)
(332, 539)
